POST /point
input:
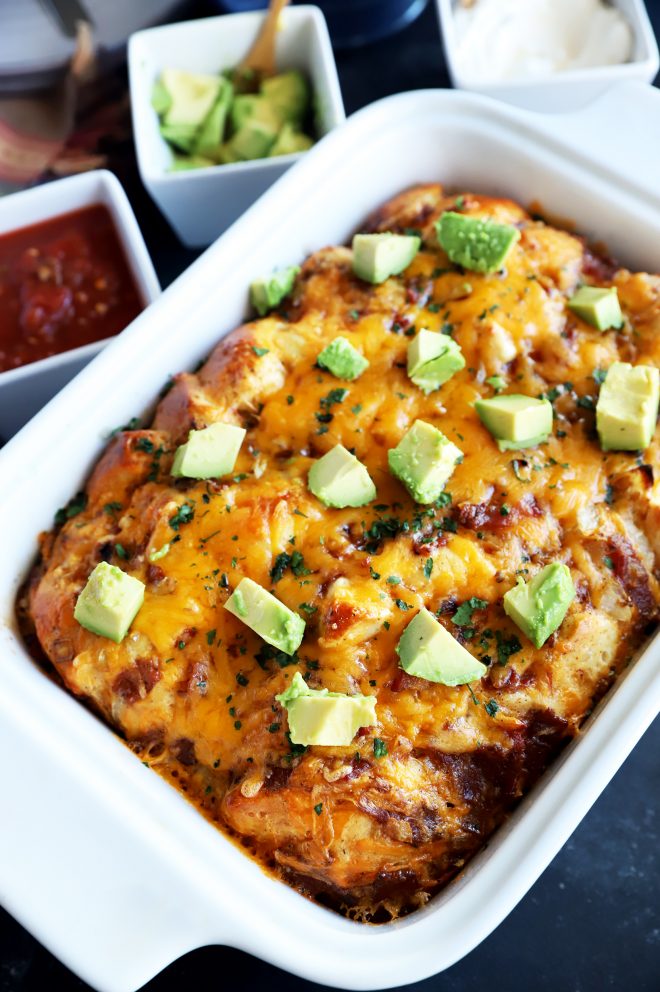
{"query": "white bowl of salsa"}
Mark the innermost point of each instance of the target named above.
(74, 271)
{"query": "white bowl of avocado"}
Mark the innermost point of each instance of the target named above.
(210, 142)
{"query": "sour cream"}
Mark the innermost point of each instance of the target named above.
(528, 39)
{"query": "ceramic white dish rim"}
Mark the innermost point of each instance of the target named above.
(332, 113)
(158, 877)
(40, 204)
(648, 60)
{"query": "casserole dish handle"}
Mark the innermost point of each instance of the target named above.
(630, 114)
(106, 899)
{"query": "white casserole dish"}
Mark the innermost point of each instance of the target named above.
(111, 868)
(25, 390)
(201, 203)
(566, 90)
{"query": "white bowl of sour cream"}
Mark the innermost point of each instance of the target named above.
(548, 55)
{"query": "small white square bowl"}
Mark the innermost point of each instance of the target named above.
(24, 390)
(201, 203)
(562, 91)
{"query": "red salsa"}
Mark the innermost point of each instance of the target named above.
(63, 283)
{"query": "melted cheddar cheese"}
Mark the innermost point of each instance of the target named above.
(192, 689)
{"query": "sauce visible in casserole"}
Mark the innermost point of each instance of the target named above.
(374, 828)
(63, 283)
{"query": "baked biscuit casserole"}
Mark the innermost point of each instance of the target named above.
(498, 534)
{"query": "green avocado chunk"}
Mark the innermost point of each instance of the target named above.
(258, 132)
(191, 95)
(376, 257)
(267, 293)
(433, 359)
(183, 163)
(516, 421)
(109, 602)
(474, 243)
(627, 407)
(288, 93)
(212, 129)
(182, 136)
(423, 460)
(539, 606)
(343, 360)
(317, 716)
(597, 306)
(290, 142)
(339, 480)
(427, 650)
(209, 453)
(266, 616)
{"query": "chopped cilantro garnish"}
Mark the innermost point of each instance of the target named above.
(144, 444)
(444, 499)
(210, 636)
(608, 562)
(428, 568)
(393, 580)
(401, 603)
(308, 608)
(75, 506)
(268, 653)
(274, 727)
(463, 615)
(284, 560)
(112, 507)
(260, 351)
(183, 515)
(356, 409)
(609, 494)
(318, 809)
(491, 707)
(506, 646)
(380, 748)
(504, 510)
(599, 376)
(374, 575)
(121, 551)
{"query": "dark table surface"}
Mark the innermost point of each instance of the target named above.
(592, 921)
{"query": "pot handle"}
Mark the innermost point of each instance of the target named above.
(628, 115)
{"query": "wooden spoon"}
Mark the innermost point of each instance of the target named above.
(261, 57)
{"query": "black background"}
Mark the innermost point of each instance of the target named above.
(592, 922)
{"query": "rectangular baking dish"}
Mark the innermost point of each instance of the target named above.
(110, 867)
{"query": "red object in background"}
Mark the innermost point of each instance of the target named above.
(63, 283)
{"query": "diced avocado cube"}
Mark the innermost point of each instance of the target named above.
(290, 142)
(539, 606)
(330, 719)
(289, 94)
(343, 360)
(192, 95)
(427, 650)
(338, 479)
(257, 134)
(180, 135)
(183, 163)
(423, 460)
(597, 306)
(376, 257)
(516, 421)
(474, 243)
(433, 359)
(209, 453)
(627, 407)
(267, 293)
(161, 100)
(109, 602)
(266, 616)
(212, 131)
(243, 107)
